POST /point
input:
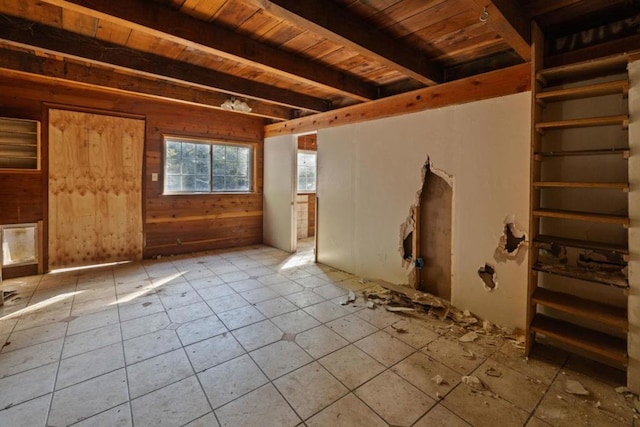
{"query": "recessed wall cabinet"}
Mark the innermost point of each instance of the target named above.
(19, 144)
(579, 215)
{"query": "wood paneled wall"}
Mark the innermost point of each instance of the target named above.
(312, 214)
(308, 142)
(20, 197)
(172, 224)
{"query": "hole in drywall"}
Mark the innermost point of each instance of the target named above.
(407, 247)
(513, 238)
(426, 234)
(512, 241)
(488, 276)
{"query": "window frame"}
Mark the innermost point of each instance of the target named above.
(315, 189)
(211, 142)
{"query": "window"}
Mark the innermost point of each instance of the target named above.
(193, 166)
(306, 171)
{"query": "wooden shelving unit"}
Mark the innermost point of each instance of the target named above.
(577, 282)
(19, 144)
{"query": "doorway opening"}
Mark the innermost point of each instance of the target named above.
(306, 201)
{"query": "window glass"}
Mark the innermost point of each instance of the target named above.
(197, 167)
(306, 171)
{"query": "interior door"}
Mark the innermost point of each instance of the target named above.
(95, 188)
(279, 222)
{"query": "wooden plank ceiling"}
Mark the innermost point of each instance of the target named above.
(285, 58)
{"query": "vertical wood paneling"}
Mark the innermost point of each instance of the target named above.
(95, 195)
(312, 214)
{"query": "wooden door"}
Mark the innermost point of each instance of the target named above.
(95, 188)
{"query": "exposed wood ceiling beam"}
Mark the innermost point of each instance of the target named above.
(510, 21)
(23, 33)
(161, 21)
(96, 77)
(344, 27)
(506, 81)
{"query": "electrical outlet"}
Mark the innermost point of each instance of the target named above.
(154, 177)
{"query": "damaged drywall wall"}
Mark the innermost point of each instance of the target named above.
(426, 234)
(408, 227)
(488, 276)
(513, 242)
(372, 184)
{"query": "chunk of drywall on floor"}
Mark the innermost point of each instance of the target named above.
(386, 157)
(633, 344)
(512, 243)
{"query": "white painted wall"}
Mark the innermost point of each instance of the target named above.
(369, 174)
(633, 372)
(336, 190)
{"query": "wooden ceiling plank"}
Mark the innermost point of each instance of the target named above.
(97, 77)
(369, 7)
(424, 37)
(404, 14)
(463, 35)
(351, 31)
(472, 46)
(164, 22)
(502, 82)
(28, 34)
(509, 20)
(540, 7)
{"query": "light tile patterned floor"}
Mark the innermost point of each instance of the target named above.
(255, 337)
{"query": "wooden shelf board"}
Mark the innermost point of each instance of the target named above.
(567, 184)
(599, 89)
(607, 346)
(580, 307)
(615, 279)
(596, 152)
(18, 131)
(17, 144)
(609, 64)
(582, 244)
(9, 156)
(581, 216)
(621, 120)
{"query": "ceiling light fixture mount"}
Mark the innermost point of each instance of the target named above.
(484, 16)
(235, 104)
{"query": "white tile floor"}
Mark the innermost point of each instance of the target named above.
(254, 337)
